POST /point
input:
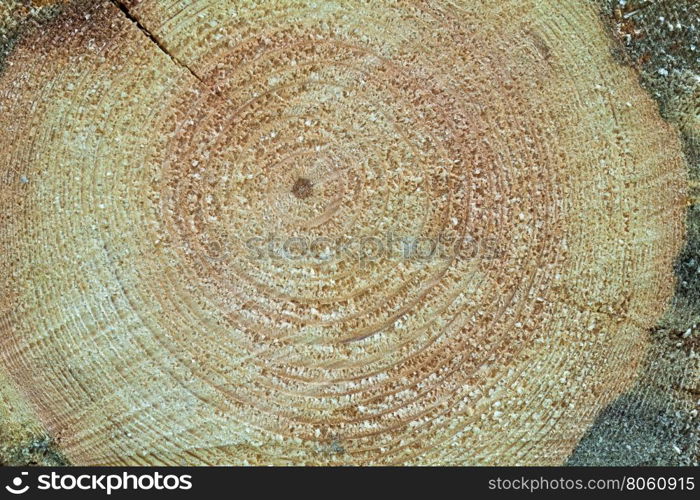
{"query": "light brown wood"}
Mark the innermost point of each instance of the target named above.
(147, 150)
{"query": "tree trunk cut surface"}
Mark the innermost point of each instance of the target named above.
(332, 232)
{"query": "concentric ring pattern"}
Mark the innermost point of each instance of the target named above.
(352, 232)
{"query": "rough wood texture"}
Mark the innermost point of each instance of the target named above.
(146, 145)
(656, 422)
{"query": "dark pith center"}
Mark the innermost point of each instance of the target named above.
(303, 188)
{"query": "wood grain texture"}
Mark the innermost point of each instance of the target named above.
(146, 145)
(656, 422)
